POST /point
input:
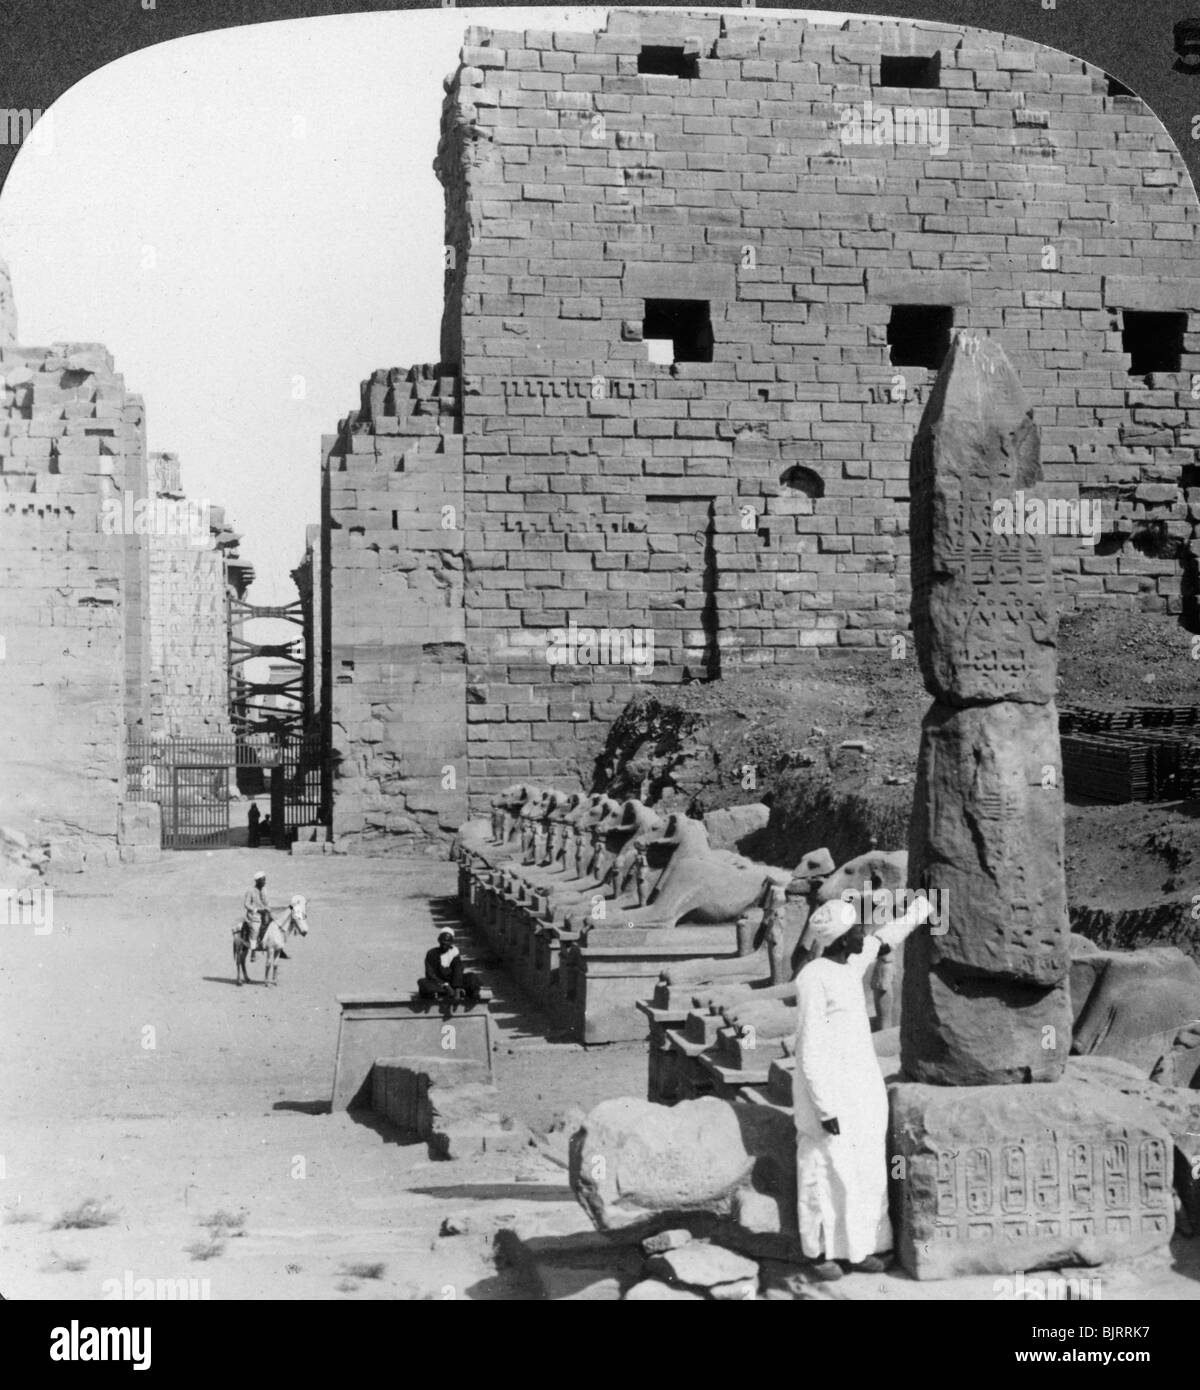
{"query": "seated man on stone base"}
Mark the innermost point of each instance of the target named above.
(444, 977)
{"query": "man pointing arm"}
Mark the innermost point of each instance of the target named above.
(840, 1101)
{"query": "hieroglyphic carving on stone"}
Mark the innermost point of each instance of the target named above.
(984, 1001)
(1016, 1188)
(978, 1181)
(983, 608)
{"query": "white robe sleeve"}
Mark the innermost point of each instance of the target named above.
(896, 932)
(865, 959)
(816, 1056)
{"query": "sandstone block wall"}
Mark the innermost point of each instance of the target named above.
(110, 626)
(307, 579)
(750, 510)
(394, 505)
(188, 627)
(71, 437)
(590, 189)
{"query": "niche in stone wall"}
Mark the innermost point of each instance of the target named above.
(663, 60)
(1153, 341)
(803, 480)
(910, 70)
(677, 330)
(918, 335)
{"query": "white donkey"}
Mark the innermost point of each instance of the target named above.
(293, 922)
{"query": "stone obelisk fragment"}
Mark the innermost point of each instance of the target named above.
(985, 993)
(992, 1176)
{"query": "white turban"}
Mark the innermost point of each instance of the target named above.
(828, 922)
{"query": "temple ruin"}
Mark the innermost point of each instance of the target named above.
(700, 275)
(113, 606)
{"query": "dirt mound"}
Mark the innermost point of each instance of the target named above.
(1113, 658)
(832, 749)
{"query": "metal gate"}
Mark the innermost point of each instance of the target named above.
(197, 816)
(196, 781)
(303, 765)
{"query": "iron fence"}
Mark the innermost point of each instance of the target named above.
(195, 779)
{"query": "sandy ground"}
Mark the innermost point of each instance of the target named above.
(139, 1078)
(139, 1082)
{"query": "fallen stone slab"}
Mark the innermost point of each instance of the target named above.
(564, 1258)
(730, 825)
(1133, 1004)
(459, 1120)
(739, 1291)
(702, 1266)
(637, 1167)
(655, 1291)
(663, 1241)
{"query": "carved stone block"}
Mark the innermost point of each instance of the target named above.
(1004, 1178)
(987, 832)
(969, 1030)
(983, 607)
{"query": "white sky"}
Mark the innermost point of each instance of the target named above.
(235, 212)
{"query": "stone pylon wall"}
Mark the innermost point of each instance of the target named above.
(188, 621)
(71, 439)
(751, 510)
(111, 623)
(392, 508)
(307, 578)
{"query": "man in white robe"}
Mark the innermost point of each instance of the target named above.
(840, 1101)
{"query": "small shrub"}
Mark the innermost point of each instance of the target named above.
(206, 1249)
(225, 1223)
(85, 1217)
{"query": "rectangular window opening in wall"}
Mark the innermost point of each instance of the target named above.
(919, 334)
(911, 71)
(677, 330)
(660, 60)
(395, 521)
(1154, 341)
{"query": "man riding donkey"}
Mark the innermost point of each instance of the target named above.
(258, 931)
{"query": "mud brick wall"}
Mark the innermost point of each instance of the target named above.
(71, 437)
(578, 189)
(392, 533)
(187, 621)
